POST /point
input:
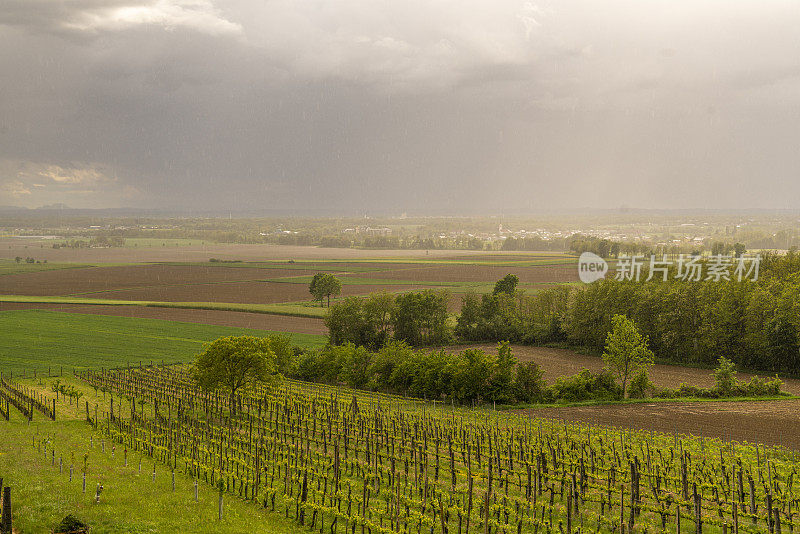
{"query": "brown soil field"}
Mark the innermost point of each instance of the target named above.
(561, 362)
(478, 273)
(239, 292)
(42, 250)
(768, 422)
(256, 321)
(83, 280)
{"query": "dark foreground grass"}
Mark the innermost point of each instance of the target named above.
(40, 339)
(130, 501)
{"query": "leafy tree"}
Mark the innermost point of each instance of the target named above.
(725, 381)
(470, 317)
(234, 362)
(346, 322)
(18, 259)
(355, 363)
(501, 384)
(324, 285)
(739, 249)
(361, 321)
(333, 286)
(384, 363)
(529, 384)
(474, 369)
(378, 308)
(284, 350)
(626, 352)
(315, 287)
(507, 284)
(721, 248)
(420, 318)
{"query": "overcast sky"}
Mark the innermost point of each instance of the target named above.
(395, 105)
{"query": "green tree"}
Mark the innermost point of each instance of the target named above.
(529, 383)
(234, 362)
(324, 285)
(315, 287)
(725, 381)
(501, 385)
(378, 318)
(420, 318)
(346, 323)
(507, 284)
(626, 352)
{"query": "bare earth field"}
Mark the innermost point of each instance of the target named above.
(769, 422)
(42, 250)
(238, 292)
(242, 284)
(255, 321)
(94, 279)
(561, 362)
(479, 273)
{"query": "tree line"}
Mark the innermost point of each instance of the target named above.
(418, 318)
(755, 324)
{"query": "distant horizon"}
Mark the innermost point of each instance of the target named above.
(394, 214)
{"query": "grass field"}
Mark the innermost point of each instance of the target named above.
(131, 502)
(38, 339)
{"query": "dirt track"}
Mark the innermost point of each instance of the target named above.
(256, 321)
(769, 422)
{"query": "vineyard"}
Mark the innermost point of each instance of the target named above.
(372, 463)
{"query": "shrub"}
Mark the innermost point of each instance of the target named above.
(529, 385)
(641, 387)
(725, 381)
(384, 363)
(586, 385)
(760, 387)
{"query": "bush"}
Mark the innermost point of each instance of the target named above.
(760, 387)
(529, 385)
(384, 364)
(725, 381)
(640, 386)
(585, 385)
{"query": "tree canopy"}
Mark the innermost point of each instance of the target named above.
(234, 362)
(507, 284)
(324, 285)
(626, 352)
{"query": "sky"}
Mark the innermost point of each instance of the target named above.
(392, 106)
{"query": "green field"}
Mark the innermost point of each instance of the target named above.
(38, 339)
(131, 502)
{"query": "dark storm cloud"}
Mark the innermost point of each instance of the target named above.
(382, 105)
